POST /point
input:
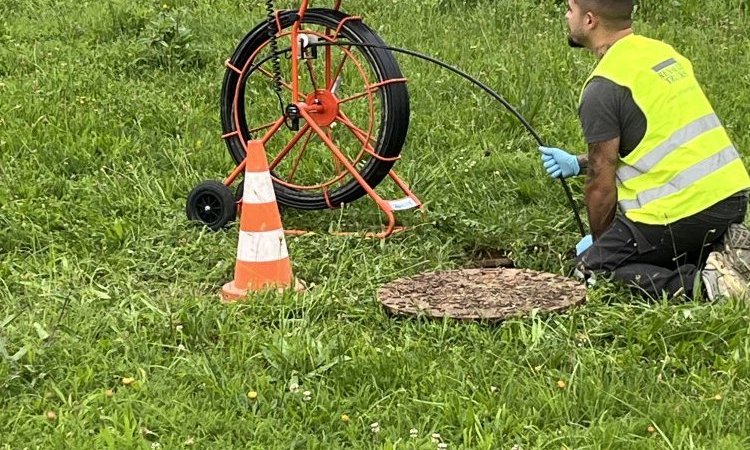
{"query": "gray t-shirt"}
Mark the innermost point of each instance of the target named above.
(607, 111)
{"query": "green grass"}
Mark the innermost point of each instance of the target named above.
(109, 116)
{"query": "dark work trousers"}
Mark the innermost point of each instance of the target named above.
(658, 259)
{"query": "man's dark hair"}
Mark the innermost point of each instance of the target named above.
(615, 14)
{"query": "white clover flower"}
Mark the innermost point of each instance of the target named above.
(375, 427)
(307, 396)
(435, 438)
(294, 388)
(442, 446)
(413, 433)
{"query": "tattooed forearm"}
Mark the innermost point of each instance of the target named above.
(601, 189)
(583, 162)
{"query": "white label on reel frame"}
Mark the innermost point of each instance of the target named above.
(403, 204)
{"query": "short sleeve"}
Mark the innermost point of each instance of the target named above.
(599, 111)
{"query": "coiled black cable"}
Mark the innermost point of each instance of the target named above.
(275, 54)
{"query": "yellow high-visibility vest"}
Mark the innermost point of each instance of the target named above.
(686, 161)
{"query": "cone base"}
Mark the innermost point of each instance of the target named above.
(230, 293)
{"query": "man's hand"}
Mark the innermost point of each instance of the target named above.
(559, 163)
(584, 244)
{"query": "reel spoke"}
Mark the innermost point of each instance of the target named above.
(337, 167)
(289, 146)
(359, 133)
(270, 76)
(328, 59)
(299, 157)
(263, 127)
(340, 67)
(311, 71)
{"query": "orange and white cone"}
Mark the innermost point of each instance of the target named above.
(262, 255)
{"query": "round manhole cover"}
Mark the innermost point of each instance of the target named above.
(481, 294)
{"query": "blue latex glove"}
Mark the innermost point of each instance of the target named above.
(559, 163)
(584, 244)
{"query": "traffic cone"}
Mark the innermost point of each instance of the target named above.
(262, 255)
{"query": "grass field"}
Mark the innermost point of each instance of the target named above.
(111, 334)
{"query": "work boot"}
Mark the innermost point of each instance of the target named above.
(727, 271)
(737, 247)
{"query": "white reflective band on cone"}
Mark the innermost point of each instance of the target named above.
(258, 188)
(262, 247)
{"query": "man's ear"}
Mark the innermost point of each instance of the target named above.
(591, 20)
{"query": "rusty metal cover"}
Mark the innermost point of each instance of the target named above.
(481, 294)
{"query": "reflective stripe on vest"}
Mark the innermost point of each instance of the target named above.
(685, 162)
(677, 140)
(684, 179)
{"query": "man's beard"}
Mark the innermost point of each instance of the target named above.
(573, 43)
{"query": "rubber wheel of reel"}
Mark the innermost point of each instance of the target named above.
(239, 192)
(394, 120)
(212, 204)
